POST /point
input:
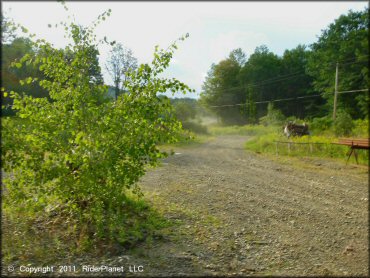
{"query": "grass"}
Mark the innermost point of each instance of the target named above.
(251, 130)
(264, 137)
(44, 239)
(315, 146)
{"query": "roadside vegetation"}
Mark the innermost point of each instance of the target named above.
(317, 144)
(72, 160)
(72, 155)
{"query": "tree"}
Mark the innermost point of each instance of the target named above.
(222, 87)
(273, 117)
(344, 41)
(12, 77)
(295, 82)
(78, 154)
(251, 109)
(238, 56)
(121, 61)
(7, 29)
(184, 108)
(259, 74)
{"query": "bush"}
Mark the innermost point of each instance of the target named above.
(343, 124)
(361, 128)
(273, 117)
(195, 127)
(80, 155)
(184, 109)
(321, 125)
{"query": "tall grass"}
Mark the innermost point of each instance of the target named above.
(265, 141)
(249, 130)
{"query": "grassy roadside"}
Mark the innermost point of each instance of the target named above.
(264, 141)
(30, 239)
(50, 239)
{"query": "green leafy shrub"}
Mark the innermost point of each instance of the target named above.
(80, 154)
(361, 128)
(321, 125)
(273, 117)
(316, 146)
(195, 127)
(184, 109)
(343, 124)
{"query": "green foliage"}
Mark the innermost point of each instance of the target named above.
(251, 130)
(273, 117)
(251, 109)
(361, 128)
(16, 78)
(120, 62)
(314, 145)
(297, 83)
(7, 29)
(343, 124)
(188, 111)
(195, 127)
(44, 240)
(301, 75)
(320, 126)
(262, 65)
(79, 155)
(185, 109)
(222, 87)
(345, 41)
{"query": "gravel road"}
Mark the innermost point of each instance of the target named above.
(242, 213)
(239, 213)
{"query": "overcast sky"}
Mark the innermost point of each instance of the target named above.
(215, 28)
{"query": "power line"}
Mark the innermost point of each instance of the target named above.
(293, 75)
(355, 62)
(273, 81)
(353, 91)
(280, 76)
(349, 61)
(287, 99)
(290, 76)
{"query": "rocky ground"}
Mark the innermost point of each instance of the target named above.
(242, 213)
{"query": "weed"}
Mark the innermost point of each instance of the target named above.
(47, 239)
(265, 141)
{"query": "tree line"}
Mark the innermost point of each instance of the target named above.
(300, 83)
(120, 62)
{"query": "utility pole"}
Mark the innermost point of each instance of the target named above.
(336, 92)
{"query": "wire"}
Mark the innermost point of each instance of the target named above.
(341, 62)
(281, 76)
(287, 99)
(274, 81)
(353, 91)
(293, 75)
(289, 76)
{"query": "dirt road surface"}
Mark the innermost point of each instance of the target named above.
(241, 213)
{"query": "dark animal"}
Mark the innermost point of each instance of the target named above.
(293, 129)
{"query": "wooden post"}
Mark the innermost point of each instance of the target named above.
(277, 148)
(311, 148)
(335, 93)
